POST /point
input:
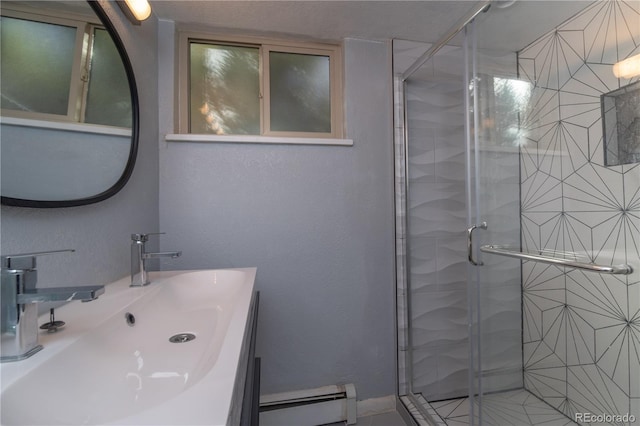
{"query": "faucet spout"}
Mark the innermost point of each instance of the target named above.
(171, 254)
(60, 294)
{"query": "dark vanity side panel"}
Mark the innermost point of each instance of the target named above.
(255, 388)
(244, 399)
(251, 399)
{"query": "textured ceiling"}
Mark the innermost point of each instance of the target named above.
(329, 20)
(510, 28)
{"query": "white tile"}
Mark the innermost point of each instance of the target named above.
(601, 395)
(437, 210)
(439, 317)
(422, 256)
(541, 192)
(635, 408)
(543, 117)
(587, 81)
(583, 111)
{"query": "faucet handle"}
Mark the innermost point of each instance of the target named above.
(143, 238)
(27, 260)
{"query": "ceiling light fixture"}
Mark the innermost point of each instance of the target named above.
(628, 68)
(136, 10)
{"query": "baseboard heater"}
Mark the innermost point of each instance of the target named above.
(310, 407)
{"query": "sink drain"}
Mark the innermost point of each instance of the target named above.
(131, 320)
(182, 338)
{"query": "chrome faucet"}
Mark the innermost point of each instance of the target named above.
(139, 276)
(19, 315)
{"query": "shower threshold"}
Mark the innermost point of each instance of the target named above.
(515, 407)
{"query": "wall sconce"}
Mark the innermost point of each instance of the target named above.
(136, 10)
(628, 68)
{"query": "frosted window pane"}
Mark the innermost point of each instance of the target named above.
(36, 59)
(224, 90)
(108, 96)
(300, 92)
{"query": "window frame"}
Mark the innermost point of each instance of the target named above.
(80, 69)
(264, 46)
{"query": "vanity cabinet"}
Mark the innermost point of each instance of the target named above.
(218, 382)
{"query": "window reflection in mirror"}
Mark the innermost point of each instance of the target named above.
(37, 63)
(62, 69)
(107, 84)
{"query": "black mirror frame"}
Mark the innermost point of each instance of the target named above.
(133, 152)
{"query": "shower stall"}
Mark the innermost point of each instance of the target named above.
(517, 154)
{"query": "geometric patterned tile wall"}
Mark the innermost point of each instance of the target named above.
(581, 331)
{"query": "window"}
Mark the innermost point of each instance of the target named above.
(61, 69)
(249, 87)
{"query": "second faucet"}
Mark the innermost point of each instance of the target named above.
(139, 275)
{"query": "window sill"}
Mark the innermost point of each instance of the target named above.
(66, 126)
(257, 139)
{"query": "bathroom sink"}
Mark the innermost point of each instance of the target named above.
(114, 363)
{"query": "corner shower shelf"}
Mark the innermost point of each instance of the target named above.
(543, 258)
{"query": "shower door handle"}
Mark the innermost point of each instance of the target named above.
(483, 225)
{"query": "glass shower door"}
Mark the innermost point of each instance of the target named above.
(495, 99)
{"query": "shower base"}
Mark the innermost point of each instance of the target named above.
(516, 407)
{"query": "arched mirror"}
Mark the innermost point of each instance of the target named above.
(69, 118)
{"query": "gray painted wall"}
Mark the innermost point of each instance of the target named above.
(316, 221)
(100, 232)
